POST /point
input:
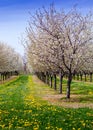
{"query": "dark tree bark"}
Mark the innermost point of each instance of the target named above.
(81, 75)
(90, 77)
(42, 76)
(69, 84)
(8, 74)
(55, 85)
(0, 76)
(46, 78)
(3, 77)
(51, 81)
(77, 76)
(61, 79)
(85, 77)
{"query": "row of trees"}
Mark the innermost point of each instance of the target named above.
(60, 43)
(10, 62)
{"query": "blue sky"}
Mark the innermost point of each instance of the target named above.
(14, 16)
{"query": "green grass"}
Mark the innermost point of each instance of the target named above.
(22, 108)
(77, 87)
(81, 88)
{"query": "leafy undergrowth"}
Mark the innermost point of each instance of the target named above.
(22, 108)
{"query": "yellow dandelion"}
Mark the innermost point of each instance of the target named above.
(83, 124)
(79, 128)
(2, 126)
(60, 129)
(10, 125)
(27, 123)
(35, 128)
(0, 112)
(90, 93)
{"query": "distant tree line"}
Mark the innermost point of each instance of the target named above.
(10, 62)
(60, 43)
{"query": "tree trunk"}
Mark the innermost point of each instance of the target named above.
(0, 76)
(81, 77)
(69, 85)
(85, 77)
(43, 77)
(90, 77)
(46, 78)
(77, 76)
(3, 77)
(11, 73)
(60, 87)
(74, 76)
(51, 79)
(55, 85)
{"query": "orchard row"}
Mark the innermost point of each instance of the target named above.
(10, 62)
(60, 42)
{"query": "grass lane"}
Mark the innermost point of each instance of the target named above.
(22, 108)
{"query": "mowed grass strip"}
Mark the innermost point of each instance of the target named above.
(22, 108)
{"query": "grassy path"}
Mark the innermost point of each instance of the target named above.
(23, 108)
